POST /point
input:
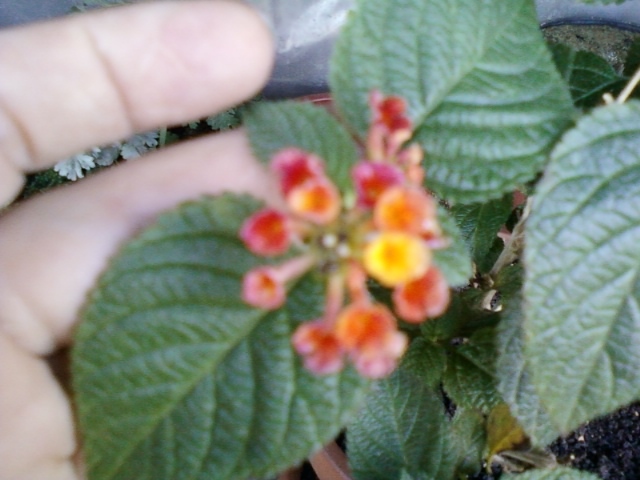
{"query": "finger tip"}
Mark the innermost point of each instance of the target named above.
(218, 54)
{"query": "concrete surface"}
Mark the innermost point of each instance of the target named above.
(14, 12)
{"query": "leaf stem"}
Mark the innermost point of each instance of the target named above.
(629, 87)
(513, 246)
(162, 140)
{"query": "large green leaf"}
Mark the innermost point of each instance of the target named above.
(588, 75)
(402, 432)
(561, 473)
(514, 378)
(481, 86)
(273, 126)
(582, 287)
(175, 377)
(454, 261)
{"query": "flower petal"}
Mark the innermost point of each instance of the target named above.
(426, 297)
(371, 179)
(319, 347)
(294, 167)
(405, 209)
(394, 258)
(317, 200)
(263, 288)
(266, 232)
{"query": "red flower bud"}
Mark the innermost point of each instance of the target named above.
(266, 232)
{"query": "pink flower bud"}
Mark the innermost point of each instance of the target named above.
(371, 179)
(295, 167)
(266, 232)
(263, 288)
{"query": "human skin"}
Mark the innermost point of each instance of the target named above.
(88, 80)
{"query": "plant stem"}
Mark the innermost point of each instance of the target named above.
(514, 245)
(629, 87)
(162, 137)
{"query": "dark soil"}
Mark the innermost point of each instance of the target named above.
(608, 447)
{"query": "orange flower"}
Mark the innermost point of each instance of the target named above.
(368, 333)
(388, 233)
(295, 167)
(394, 258)
(319, 347)
(316, 200)
(380, 362)
(405, 209)
(426, 297)
(371, 179)
(364, 325)
(266, 232)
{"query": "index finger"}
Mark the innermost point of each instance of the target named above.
(90, 79)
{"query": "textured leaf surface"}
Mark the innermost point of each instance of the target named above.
(557, 474)
(469, 378)
(454, 261)
(470, 439)
(176, 378)
(401, 433)
(273, 126)
(514, 377)
(480, 224)
(588, 75)
(583, 256)
(425, 360)
(481, 85)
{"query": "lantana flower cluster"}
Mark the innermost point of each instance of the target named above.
(385, 229)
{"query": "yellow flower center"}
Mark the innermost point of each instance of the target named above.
(394, 258)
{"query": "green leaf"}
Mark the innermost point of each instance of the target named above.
(588, 75)
(514, 378)
(632, 62)
(454, 261)
(482, 88)
(561, 473)
(469, 439)
(175, 376)
(273, 126)
(401, 431)
(469, 378)
(463, 317)
(225, 120)
(582, 289)
(480, 224)
(426, 360)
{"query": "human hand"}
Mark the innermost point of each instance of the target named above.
(83, 81)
